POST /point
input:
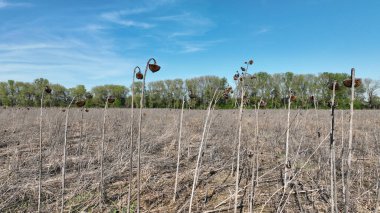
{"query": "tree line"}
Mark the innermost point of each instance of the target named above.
(273, 89)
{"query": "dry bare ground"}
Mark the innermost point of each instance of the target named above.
(309, 160)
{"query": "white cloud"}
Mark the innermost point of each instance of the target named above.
(182, 34)
(263, 30)
(176, 31)
(94, 27)
(129, 12)
(11, 47)
(197, 46)
(4, 4)
(187, 19)
(84, 52)
(117, 17)
(191, 49)
(185, 27)
(64, 62)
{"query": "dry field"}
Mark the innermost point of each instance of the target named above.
(309, 160)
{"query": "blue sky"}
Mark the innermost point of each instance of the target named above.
(95, 42)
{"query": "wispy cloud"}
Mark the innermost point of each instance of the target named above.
(4, 4)
(94, 27)
(187, 19)
(186, 32)
(61, 61)
(182, 34)
(176, 31)
(191, 49)
(34, 46)
(197, 46)
(117, 17)
(134, 11)
(263, 30)
(88, 50)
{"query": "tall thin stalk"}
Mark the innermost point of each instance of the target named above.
(255, 178)
(102, 191)
(40, 156)
(256, 151)
(131, 142)
(139, 145)
(179, 150)
(207, 133)
(332, 154)
(200, 151)
(64, 158)
(80, 133)
(139, 133)
(251, 199)
(287, 143)
(79, 153)
(349, 158)
(315, 103)
(240, 117)
(238, 149)
(342, 159)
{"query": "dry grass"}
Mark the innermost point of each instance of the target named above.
(19, 142)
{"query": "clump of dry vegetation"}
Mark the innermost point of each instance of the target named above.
(308, 167)
(245, 160)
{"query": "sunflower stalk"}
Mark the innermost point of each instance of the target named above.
(64, 158)
(240, 119)
(179, 149)
(131, 142)
(332, 153)
(201, 150)
(349, 158)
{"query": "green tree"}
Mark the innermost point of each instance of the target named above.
(79, 91)
(102, 92)
(60, 95)
(39, 87)
(370, 87)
